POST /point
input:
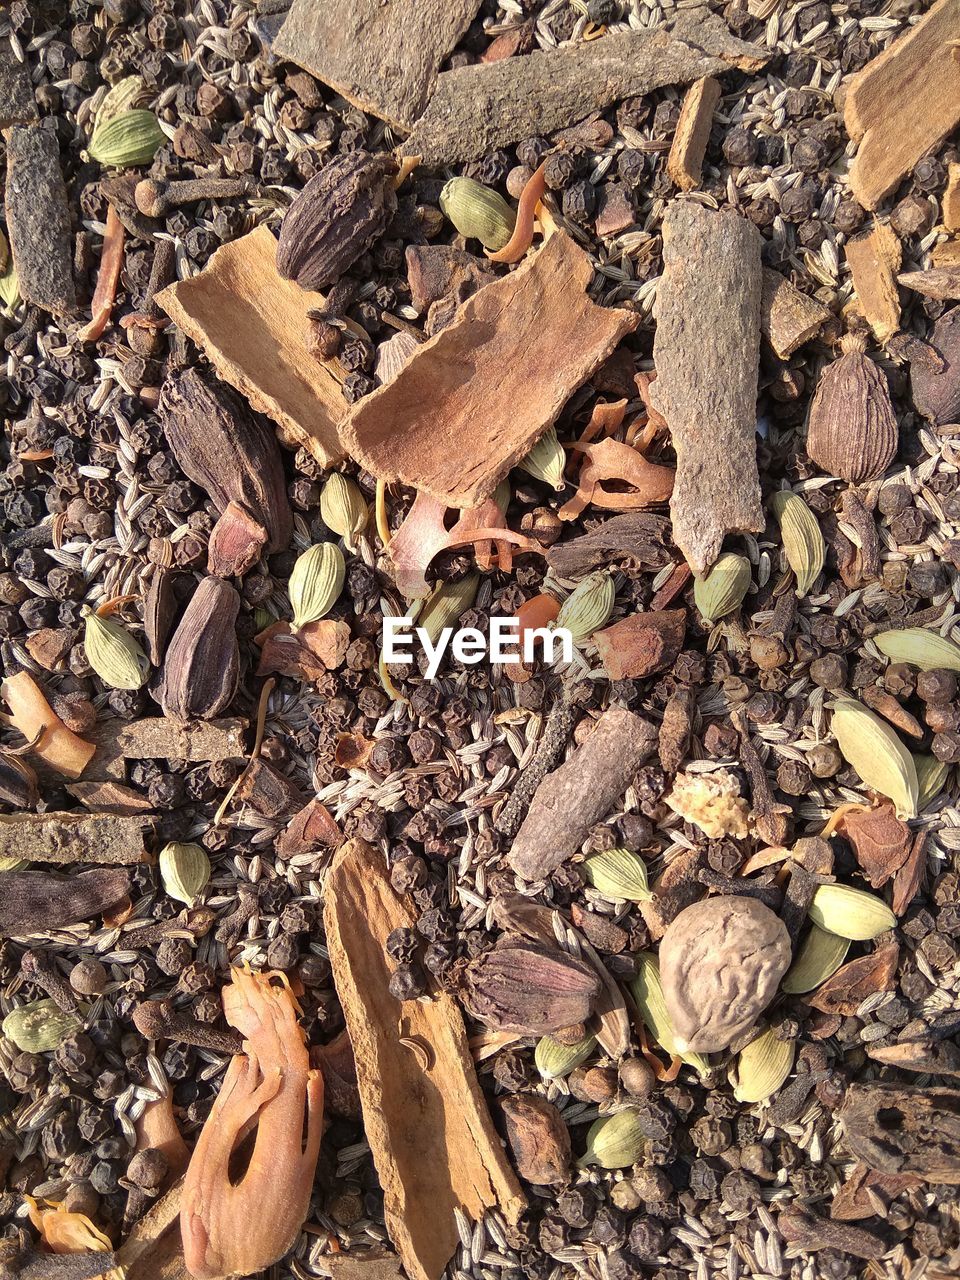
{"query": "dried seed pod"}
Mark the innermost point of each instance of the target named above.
(336, 217)
(614, 1142)
(762, 1066)
(202, 664)
(230, 454)
(126, 141)
(820, 955)
(546, 460)
(721, 962)
(528, 988)
(33, 900)
(879, 757)
(184, 870)
(936, 392)
(850, 913)
(588, 606)
(478, 212)
(539, 1139)
(723, 587)
(647, 991)
(618, 874)
(931, 776)
(554, 1059)
(447, 603)
(852, 428)
(920, 648)
(113, 653)
(18, 783)
(39, 1027)
(802, 540)
(315, 583)
(343, 508)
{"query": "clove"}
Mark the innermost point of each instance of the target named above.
(38, 968)
(156, 1020)
(156, 199)
(195, 922)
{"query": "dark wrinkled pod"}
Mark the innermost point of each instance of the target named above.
(202, 664)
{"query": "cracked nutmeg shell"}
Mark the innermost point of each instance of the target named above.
(529, 988)
(337, 216)
(721, 961)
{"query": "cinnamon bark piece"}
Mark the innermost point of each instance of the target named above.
(102, 838)
(707, 351)
(789, 318)
(942, 283)
(689, 146)
(904, 103)
(946, 254)
(904, 1130)
(38, 219)
(153, 1250)
(159, 738)
(528, 341)
(950, 206)
(251, 323)
(811, 1233)
(874, 261)
(639, 645)
(17, 103)
(638, 537)
(425, 1118)
(478, 108)
(384, 58)
(581, 792)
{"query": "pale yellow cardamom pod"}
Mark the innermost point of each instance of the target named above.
(553, 1059)
(615, 1141)
(113, 653)
(588, 607)
(850, 913)
(762, 1066)
(819, 957)
(803, 542)
(478, 212)
(127, 140)
(879, 757)
(919, 648)
(343, 508)
(723, 587)
(315, 583)
(546, 460)
(647, 990)
(184, 870)
(446, 604)
(39, 1027)
(931, 776)
(618, 874)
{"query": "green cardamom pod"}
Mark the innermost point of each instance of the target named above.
(722, 588)
(588, 607)
(614, 1142)
(478, 212)
(13, 864)
(39, 1027)
(113, 653)
(546, 460)
(120, 99)
(4, 252)
(879, 757)
(446, 604)
(343, 508)
(127, 140)
(647, 991)
(850, 913)
(619, 875)
(802, 540)
(762, 1066)
(919, 648)
(184, 870)
(819, 957)
(10, 287)
(931, 777)
(553, 1059)
(315, 583)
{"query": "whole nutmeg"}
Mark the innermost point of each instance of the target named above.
(721, 961)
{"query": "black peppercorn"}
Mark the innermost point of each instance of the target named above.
(407, 982)
(740, 146)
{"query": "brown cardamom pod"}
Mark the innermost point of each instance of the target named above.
(229, 453)
(202, 664)
(937, 393)
(852, 429)
(529, 988)
(336, 217)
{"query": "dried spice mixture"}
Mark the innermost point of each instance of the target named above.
(637, 954)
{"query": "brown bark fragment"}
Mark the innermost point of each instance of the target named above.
(907, 880)
(942, 283)
(950, 206)
(38, 219)
(615, 211)
(268, 792)
(788, 317)
(436, 271)
(306, 654)
(109, 797)
(904, 1130)
(17, 103)
(855, 514)
(479, 108)
(313, 825)
(707, 349)
(553, 742)
(599, 930)
(675, 729)
(236, 542)
(641, 644)
(936, 393)
(581, 792)
(529, 340)
(881, 842)
(946, 254)
(433, 1142)
(677, 886)
(689, 146)
(936, 1058)
(102, 838)
(384, 58)
(539, 1139)
(874, 261)
(153, 1249)
(33, 900)
(852, 1202)
(904, 103)
(636, 537)
(364, 1264)
(844, 991)
(157, 738)
(250, 323)
(811, 1233)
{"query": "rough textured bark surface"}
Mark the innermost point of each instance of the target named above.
(788, 318)
(433, 1142)
(159, 738)
(900, 1130)
(471, 402)
(707, 351)
(874, 261)
(685, 161)
(251, 323)
(637, 537)
(38, 219)
(904, 103)
(384, 58)
(17, 103)
(581, 791)
(74, 837)
(479, 108)
(153, 1250)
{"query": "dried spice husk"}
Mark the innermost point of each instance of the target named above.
(896, 1129)
(336, 218)
(52, 741)
(821, 954)
(612, 460)
(538, 1137)
(240, 1227)
(39, 1027)
(616, 1141)
(18, 783)
(33, 900)
(920, 648)
(846, 990)
(803, 542)
(65, 1232)
(936, 393)
(313, 825)
(305, 654)
(879, 757)
(881, 842)
(108, 278)
(850, 913)
(202, 664)
(113, 653)
(547, 460)
(554, 1059)
(711, 947)
(223, 448)
(236, 541)
(641, 644)
(647, 991)
(852, 428)
(531, 989)
(762, 1066)
(931, 776)
(478, 212)
(722, 588)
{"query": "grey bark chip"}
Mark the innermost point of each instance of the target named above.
(38, 219)
(17, 103)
